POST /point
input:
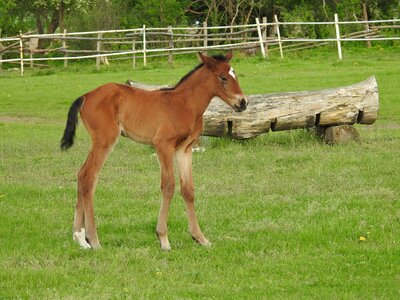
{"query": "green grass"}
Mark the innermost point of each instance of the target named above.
(284, 211)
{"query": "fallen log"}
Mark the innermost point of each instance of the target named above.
(357, 103)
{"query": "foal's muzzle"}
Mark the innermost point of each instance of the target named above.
(241, 105)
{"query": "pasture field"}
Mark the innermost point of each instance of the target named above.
(284, 212)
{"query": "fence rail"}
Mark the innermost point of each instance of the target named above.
(141, 43)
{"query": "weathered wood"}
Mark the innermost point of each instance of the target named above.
(64, 46)
(98, 48)
(1, 50)
(357, 103)
(171, 46)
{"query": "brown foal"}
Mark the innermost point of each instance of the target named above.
(169, 119)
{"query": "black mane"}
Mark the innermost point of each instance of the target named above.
(217, 57)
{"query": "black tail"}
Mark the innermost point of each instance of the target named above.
(68, 139)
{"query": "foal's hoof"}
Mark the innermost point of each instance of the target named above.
(80, 238)
(166, 247)
(207, 244)
(96, 246)
(164, 243)
(202, 241)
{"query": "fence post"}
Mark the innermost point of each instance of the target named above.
(64, 45)
(134, 54)
(279, 35)
(264, 35)
(144, 46)
(98, 48)
(171, 46)
(339, 46)
(205, 41)
(260, 38)
(31, 52)
(1, 55)
(21, 52)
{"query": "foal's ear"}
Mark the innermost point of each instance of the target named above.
(208, 61)
(229, 56)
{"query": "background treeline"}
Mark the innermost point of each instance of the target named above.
(49, 16)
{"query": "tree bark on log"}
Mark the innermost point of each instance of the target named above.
(357, 103)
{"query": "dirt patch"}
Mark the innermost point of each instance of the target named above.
(28, 120)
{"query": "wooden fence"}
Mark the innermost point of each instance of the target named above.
(142, 43)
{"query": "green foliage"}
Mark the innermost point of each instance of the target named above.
(101, 15)
(42, 15)
(110, 14)
(13, 19)
(156, 13)
(301, 13)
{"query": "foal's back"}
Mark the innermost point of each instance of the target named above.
(136, 113)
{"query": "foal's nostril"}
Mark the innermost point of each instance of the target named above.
(243, 104)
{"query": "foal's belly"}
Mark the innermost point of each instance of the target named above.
(139, 136)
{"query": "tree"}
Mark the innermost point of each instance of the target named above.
(102, 15)
(222, 12)
(12, 20)
(157, 13)
(47, 15)
(50, 14)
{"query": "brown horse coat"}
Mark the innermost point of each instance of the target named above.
(169, 119)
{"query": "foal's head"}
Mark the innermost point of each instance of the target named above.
(225, 81)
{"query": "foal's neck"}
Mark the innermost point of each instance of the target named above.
(197, 90)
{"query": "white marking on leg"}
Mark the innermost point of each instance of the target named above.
(80, 238)
(232, 73)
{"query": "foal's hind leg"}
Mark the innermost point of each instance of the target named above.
(184, 163)
(87, 180)
(79, 234)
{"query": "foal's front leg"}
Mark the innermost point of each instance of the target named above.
(165, 156)
(184, 163)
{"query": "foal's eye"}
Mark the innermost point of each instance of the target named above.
(223, 78)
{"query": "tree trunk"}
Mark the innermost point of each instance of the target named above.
(52, 25)
(54, 22)
(40, 28)
(61, 13)
(365, 18)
